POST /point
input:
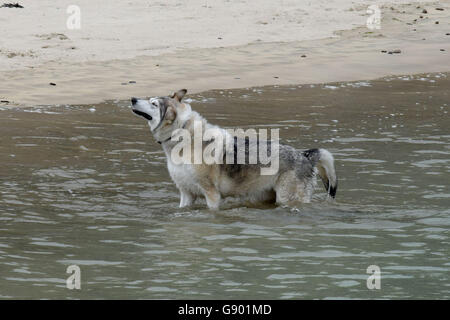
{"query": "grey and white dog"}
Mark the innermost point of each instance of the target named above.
(291, 184)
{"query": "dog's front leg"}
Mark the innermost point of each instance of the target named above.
(186, 198)
(212, 197)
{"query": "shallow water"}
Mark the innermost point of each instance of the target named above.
(87, 185)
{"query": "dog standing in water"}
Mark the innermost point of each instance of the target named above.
(291, 182)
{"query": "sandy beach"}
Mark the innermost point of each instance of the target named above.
(130, 49)
(93, 207)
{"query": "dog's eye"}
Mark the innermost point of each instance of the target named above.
(154, 103)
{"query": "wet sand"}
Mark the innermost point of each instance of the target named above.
(87, 185)
(82, 182)
(348, 55)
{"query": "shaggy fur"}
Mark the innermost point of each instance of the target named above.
(293, 182)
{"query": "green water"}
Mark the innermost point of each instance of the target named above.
(87, 185)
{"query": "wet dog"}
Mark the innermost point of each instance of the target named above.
(290, 182)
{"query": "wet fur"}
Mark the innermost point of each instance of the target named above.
(292, 184)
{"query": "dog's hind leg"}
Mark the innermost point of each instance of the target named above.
(186, 198)
(285, 188)
(291, 191)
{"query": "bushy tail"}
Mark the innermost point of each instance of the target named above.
(324, 162)
(327, 173)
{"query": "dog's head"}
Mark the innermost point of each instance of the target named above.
(164, 114)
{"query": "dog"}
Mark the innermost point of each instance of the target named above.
(290, 184)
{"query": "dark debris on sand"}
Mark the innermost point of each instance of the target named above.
(11, 5)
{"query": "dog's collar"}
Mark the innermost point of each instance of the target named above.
(182, 127)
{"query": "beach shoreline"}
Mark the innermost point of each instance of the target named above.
(348, 55)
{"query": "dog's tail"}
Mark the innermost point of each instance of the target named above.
(324, 162)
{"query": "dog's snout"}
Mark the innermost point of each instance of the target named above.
(133, 100)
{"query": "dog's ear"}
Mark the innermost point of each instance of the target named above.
(171, 114)
(179, 95)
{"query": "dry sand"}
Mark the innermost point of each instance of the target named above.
(206, 44)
